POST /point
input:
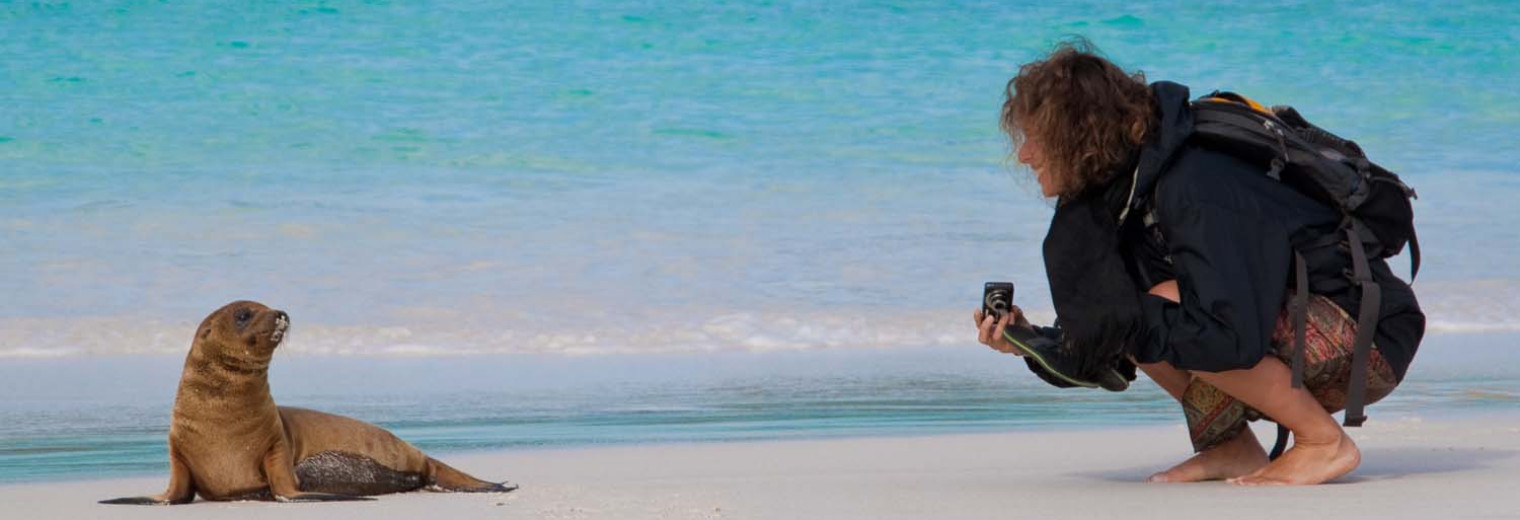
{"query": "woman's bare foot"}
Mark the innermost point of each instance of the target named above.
(1232, 458)
(1307, 464)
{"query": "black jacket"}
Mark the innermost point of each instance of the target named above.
(1227, 234)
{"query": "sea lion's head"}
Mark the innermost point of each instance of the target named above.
(243, 332)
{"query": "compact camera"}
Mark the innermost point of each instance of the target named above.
(997, 299)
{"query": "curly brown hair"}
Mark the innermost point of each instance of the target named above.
(1087, 114)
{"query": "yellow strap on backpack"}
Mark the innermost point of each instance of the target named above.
(1231, 97)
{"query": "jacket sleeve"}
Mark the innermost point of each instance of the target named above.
(1232, 269)
(1057, 335)
(1121, 365)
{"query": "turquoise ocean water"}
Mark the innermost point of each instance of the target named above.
(701, 202)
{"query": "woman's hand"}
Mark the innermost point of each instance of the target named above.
(990, 331)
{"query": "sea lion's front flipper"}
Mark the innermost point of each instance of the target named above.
(138, 501)
(181, 486)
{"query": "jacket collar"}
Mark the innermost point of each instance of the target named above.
(1173, 127)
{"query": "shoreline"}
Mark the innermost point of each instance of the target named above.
(1265, 431)
(92, 419)
(1412, 468)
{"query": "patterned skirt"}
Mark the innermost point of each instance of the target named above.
(1214, 417)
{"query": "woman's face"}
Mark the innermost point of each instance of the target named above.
(1031, 155)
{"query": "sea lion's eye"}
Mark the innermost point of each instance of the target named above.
(243, 316)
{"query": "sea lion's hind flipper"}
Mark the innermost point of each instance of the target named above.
(445, 478)
(486, 487)
(502, 487)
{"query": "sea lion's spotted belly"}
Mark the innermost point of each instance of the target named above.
(350, 474)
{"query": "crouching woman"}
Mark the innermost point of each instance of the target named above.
(1179, 259)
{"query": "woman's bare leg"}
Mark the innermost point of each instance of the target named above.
(1321, 449)
(1172, 379)
(1239, 456)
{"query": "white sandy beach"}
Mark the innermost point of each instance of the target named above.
(1456, 468)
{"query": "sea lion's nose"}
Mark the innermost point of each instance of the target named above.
(281, 323)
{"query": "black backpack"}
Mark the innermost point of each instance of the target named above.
(1377, 219)
(1333, 170)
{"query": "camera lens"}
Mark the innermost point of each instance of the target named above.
(997, 301)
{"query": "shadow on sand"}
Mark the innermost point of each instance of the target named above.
(1377, 464)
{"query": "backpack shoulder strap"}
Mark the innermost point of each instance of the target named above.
(1366, 328)
(1245, 127)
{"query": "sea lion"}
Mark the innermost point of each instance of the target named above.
(228, 440)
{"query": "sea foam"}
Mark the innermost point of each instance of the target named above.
(649, 333)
